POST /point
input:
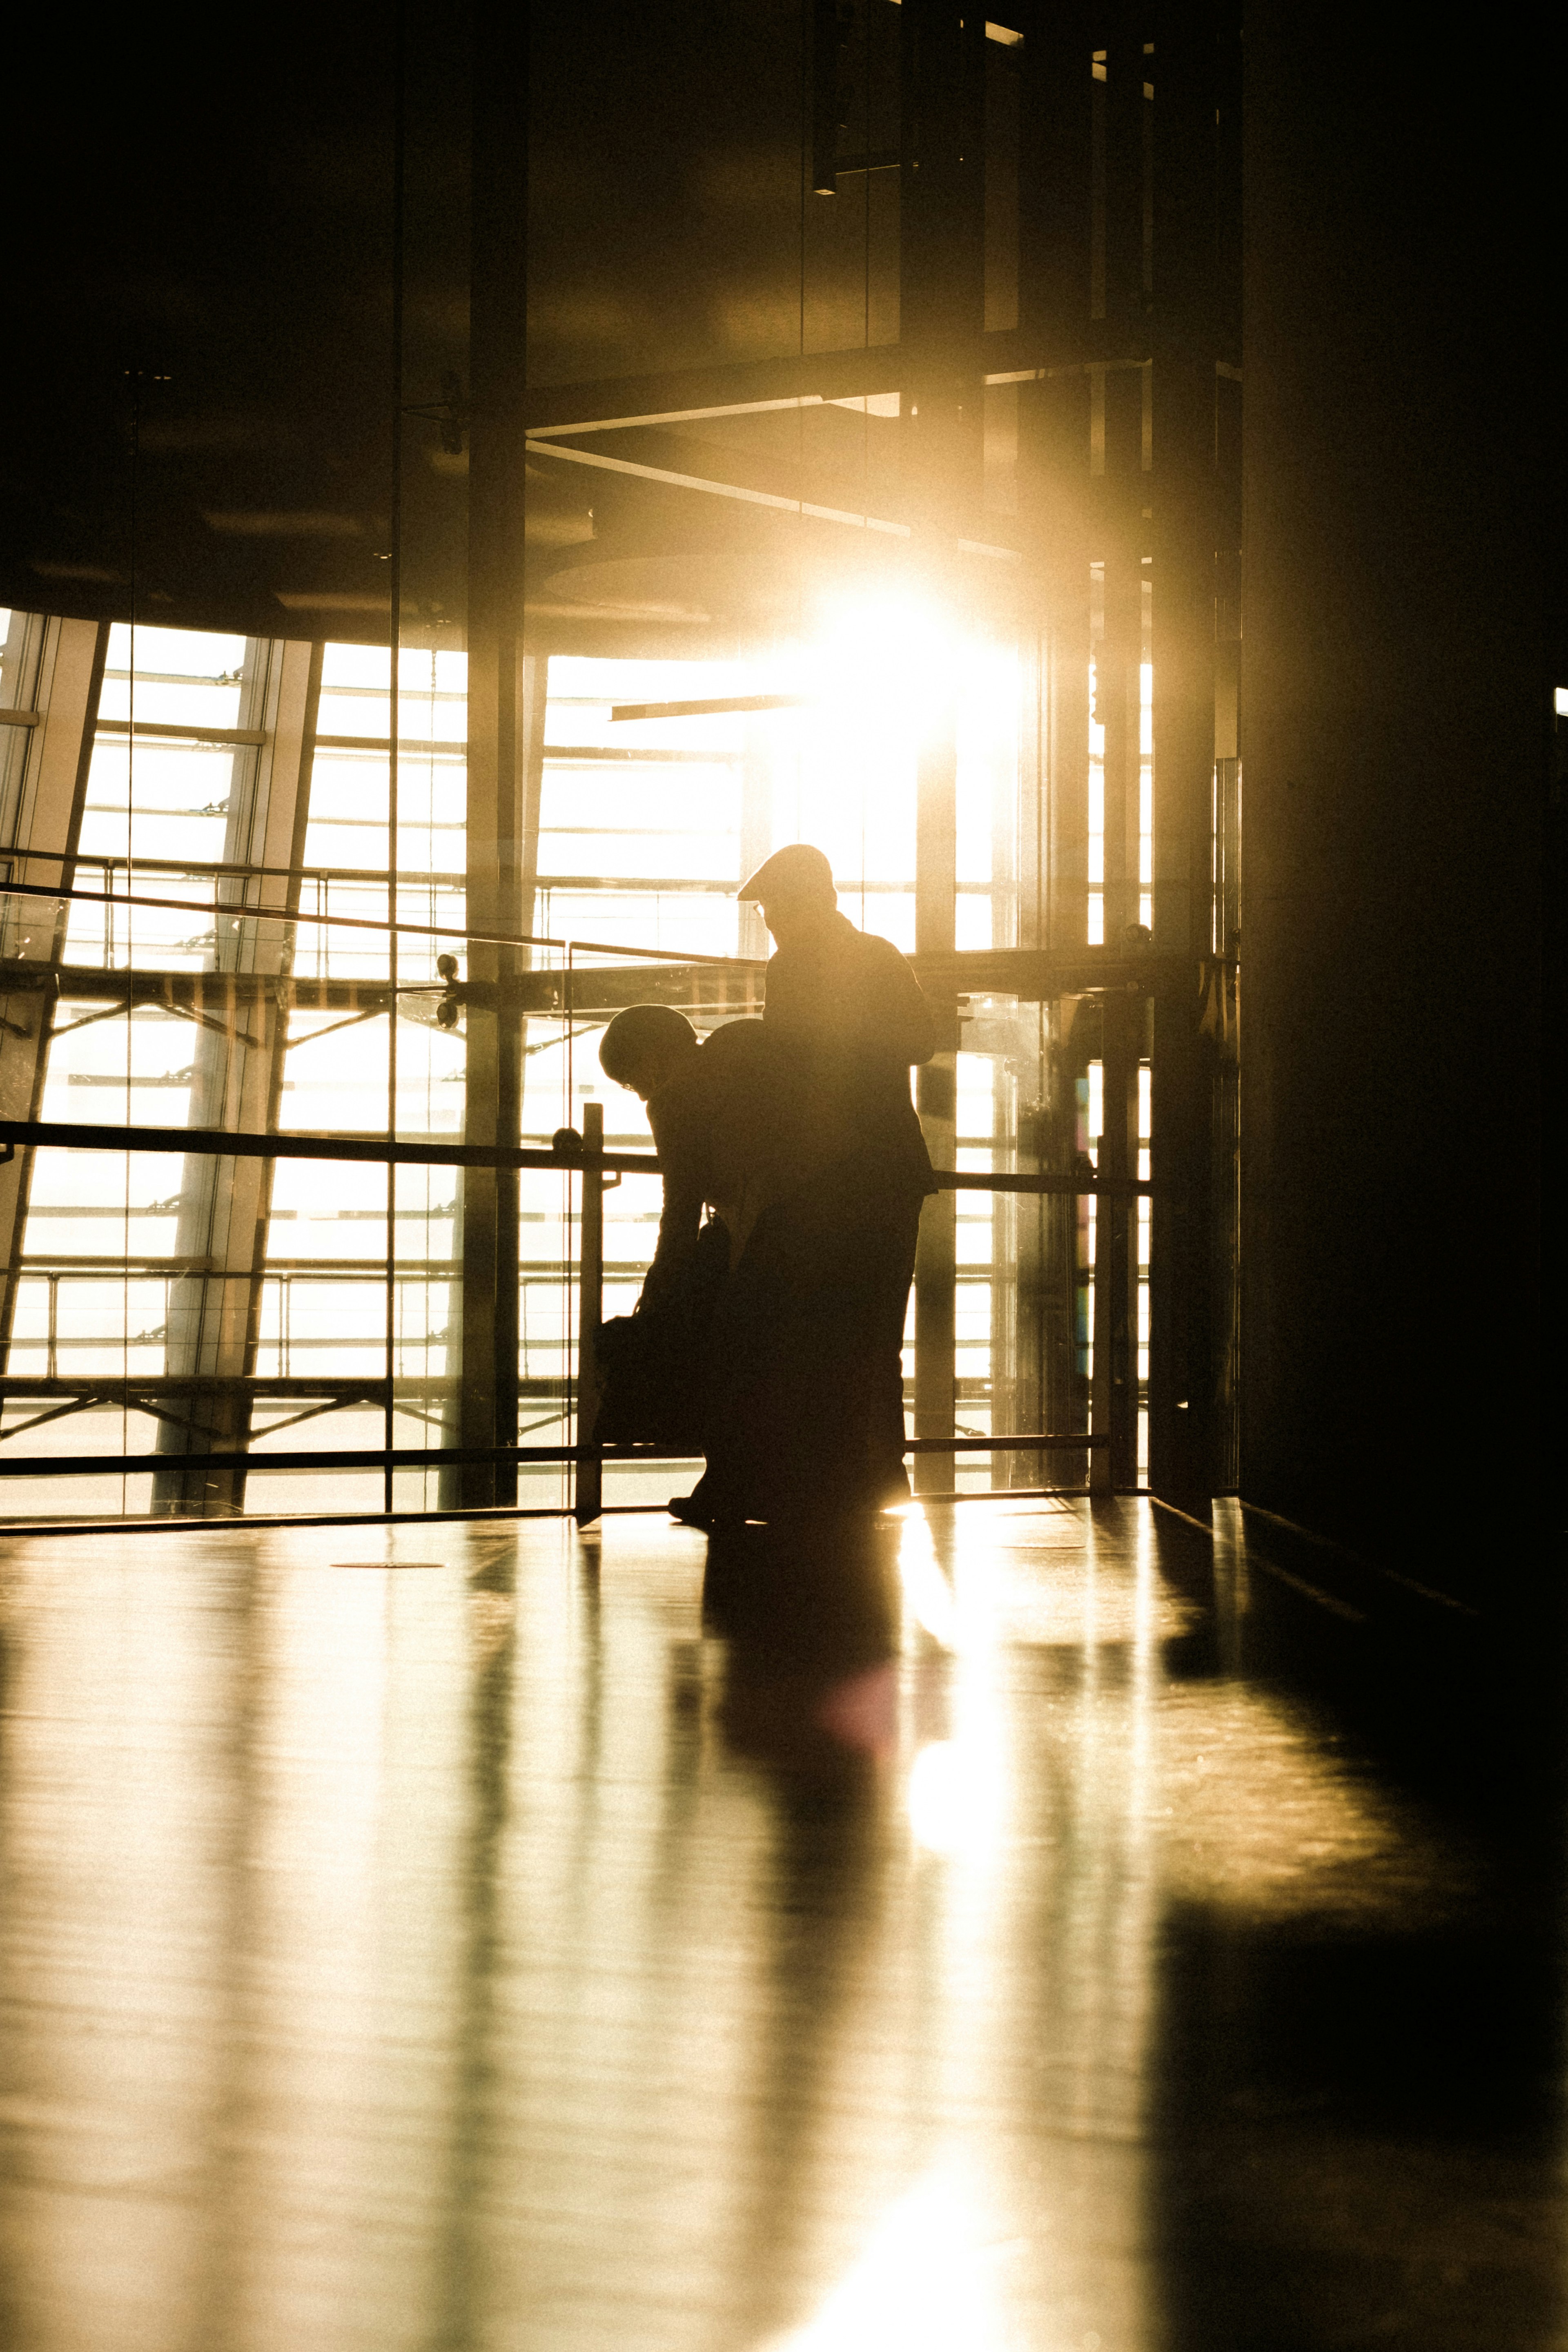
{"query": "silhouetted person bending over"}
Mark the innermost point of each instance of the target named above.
(721, 1127)
(726, 1125)
(853, 1020)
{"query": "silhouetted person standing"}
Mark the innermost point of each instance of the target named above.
(853, 1020)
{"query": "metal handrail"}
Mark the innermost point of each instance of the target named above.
(437, 1458)
(567, 1154)
(224, 1143)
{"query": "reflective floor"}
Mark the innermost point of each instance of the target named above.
(476, 1937)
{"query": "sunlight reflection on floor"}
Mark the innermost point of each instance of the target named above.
(550, 1948)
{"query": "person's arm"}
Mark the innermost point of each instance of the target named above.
(895, 1016)
(678, 1138)
(788, 1001)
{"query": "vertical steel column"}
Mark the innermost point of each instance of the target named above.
(1055, 177)
(1057, 439)
(1116, 530)
(214, 1308)
(1102, 1379)
(534, 689)
(1013, 1385)
(1122, 1016)
(1181, 1382)
(935, 899)
(756, 833)
(588, 1493)
(1225, 1380)
(58, 668)
(1024, 1280)
(942, 296)
(1056, 209)
(1115, 1267)
(1066, 1401)
(498, 746)
(1221, 1018)
(1124, 77)
(1116, 671)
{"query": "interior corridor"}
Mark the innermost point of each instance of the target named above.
(485, 1934)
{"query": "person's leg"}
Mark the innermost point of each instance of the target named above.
(808, 1398)
(851, 1258)
(745, 1407)
(898, 1230)
(684, 1403)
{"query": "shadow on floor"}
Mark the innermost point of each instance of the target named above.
(1357, 2117)
(810, 1622)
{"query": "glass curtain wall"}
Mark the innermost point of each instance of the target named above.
(282, 1304)
(172, 1305)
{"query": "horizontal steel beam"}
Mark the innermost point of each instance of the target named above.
(194, 733)
(217, 1143)
(411, 1388)
(679, 395)
(435, 1457)
(117, 1387)
(1068, 1186)
(687, 395)
(58, 895)
(1069, 1443)
(212, 990)
(1029, 974)
(1037, 975)
(780, 500)
(202, 869)
(367, 1457)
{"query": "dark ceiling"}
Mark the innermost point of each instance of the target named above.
(200, 394)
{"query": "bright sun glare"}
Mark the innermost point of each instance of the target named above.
(890, 660)
(885, 676)
(927, 2281)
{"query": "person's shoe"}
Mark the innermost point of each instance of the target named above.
(691, 1510)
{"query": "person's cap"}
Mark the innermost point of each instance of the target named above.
(799, 872)
(641, 1033)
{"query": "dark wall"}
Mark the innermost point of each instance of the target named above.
(1399, 661)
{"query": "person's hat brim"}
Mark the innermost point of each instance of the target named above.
(798, 871)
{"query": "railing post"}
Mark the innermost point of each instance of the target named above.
(1100, 1405)
(1116, 1268)
(589, 1483)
